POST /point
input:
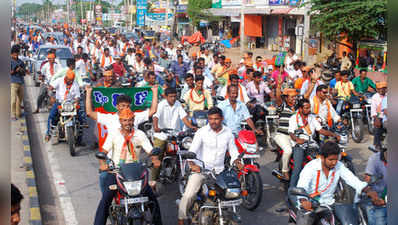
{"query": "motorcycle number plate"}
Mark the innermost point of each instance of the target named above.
(356, 110)
(251, 156)
(68, 124)
(356, 106)
(231, 203)
(135, 200)
(68, 113)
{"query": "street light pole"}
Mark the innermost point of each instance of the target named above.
(242, 27)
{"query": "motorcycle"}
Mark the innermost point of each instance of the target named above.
(47, 101)
(199, 118)
(219, 197)
(68, 128)
(366, 104)
(323, 211)
(365, 200)
(353, 113)
(177, 142)
(249, 176)
(311, 150)
(130, 205)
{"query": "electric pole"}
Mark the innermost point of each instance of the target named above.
(242, 27)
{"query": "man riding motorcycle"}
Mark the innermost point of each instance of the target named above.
(210, 144)
(198, 98)
(320, 178)
(242, 93)
(322, 106)
(235, 111)
(67, 89)
(122, 143)
(47, 71)
(302, 119)
(170, 114)
(285, 109)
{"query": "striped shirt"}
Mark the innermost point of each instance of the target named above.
(284, 115)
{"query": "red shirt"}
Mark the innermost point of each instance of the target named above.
(118, 69)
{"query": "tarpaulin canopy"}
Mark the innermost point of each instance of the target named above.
(194, 38)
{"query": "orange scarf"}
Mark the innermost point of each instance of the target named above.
(240, 93)
(317, 106)
(68, 87)
(103, 60)
(127, 145)
(124, 49)
(316, 193)
(196, 102)
(306, 126)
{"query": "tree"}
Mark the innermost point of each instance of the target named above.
(351, 19)
(197, 10)
(27, 9)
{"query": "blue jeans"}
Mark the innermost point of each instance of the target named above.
(298, 157)
(53, 117)
(102, 178)
(377, 215)
(339, 106)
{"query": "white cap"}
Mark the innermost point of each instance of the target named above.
(179, 46)
(242, 61)
(270, 67)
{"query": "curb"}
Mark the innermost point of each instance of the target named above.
(34, 211)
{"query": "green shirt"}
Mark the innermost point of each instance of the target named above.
(160, 89)
(362, 87)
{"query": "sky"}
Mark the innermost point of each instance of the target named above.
(20, 2)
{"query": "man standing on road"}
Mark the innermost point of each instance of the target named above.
(125, 144)
(17, 82)
(377, 114)
(210, 144)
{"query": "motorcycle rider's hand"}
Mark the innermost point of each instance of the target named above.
(258, 131)
(195, 168)
(239, 164)
(338, 137)
(194, 128)
(300, 141)
(104, 166)
(89, 89)
(377, 122)
(379, 202)
(305, 204)
(157, 129)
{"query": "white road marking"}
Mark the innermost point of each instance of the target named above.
(58, 180)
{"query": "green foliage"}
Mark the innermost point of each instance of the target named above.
(356, 18)
(29, 9)
(197, 10)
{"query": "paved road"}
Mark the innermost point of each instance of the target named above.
(69, 190)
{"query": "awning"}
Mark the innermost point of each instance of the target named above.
(281, 10)
(225, 12)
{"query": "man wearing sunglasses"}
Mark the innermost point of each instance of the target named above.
(322, 106)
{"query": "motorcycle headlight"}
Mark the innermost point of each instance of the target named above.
(68, 107)
(133, 188)
(250, 148)
(201, 122)
(186, 142)
(343, 139)
(232, 193)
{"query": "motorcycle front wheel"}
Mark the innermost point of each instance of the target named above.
(71, 140)
(254, 186)
(357, 130)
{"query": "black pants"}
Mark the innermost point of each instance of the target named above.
(102, 213)
(378, 133)
(42, 96)
(345, 213)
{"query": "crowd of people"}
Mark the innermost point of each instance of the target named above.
(186, 80)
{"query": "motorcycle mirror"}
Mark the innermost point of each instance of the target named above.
(220, 98)
(155, 151)
(101, 155)
(298, 191)
(189, 155)
(181, 100)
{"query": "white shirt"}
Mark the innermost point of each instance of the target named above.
(289, 60)
(294, 74)
(169, 117)
(130, 59)
(108, 60)
(323, 110)
(60, 88)
(246, 99)
(81, 68)
(210, 147)
(113, 51)
(45, 70)
(294, 125)
(114, 145)
(111, 121)
(139, 66)
(305, 87)
(308, 177)
(376, 100)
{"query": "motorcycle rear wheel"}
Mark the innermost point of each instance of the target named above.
(137, 222)
(254, 186)
(71, 140)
